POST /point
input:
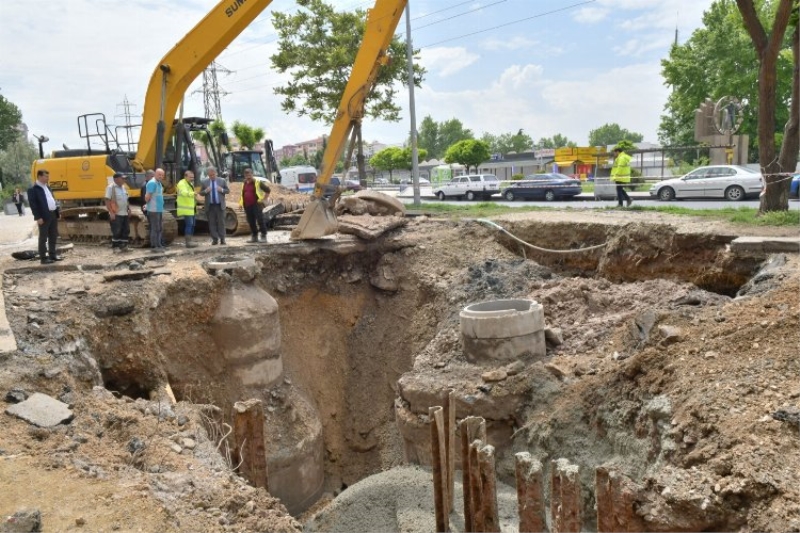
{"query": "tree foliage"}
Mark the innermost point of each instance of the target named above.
(508, 142)
(718, 60)
(10, 120)
(15, 162)
(295, 160)
(389, 159)
(556, 141)
(469, 153)
(317, 46)
(248, 136)
(609, 134)
(436, 137)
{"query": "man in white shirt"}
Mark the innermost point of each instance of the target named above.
(45, 213)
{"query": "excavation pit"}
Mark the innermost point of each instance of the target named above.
(369, 337)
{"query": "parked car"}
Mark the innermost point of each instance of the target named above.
(731, 182)
(422, 182)
(794, 190)
(543, 186)
(352, 185)
(470, 187)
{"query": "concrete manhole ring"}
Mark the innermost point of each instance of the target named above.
(503, 330)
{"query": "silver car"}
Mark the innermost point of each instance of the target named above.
(731, 182)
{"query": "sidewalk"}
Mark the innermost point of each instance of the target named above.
(17, 230)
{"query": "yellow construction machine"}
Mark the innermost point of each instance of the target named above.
(79, 177)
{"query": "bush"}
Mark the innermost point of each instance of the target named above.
(517, 177)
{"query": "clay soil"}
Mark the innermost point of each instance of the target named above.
(681, 389)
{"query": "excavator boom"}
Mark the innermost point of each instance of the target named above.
(182, 64)
(318, 219)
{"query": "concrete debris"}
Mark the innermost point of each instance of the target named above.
(643, 324)
(494, 375)
(554, 336)
(16, 395)
(25, 521)
(515, 368)
(41, 410)
(127, 275)
(790, 415)
(114, 306)
(670, 334)
(384, 278)
(555, 370)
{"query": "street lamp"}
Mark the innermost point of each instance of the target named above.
(42, 139)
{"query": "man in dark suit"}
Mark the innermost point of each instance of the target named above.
(214, 190)
(45, 212)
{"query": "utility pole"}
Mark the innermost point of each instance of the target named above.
(412, 110)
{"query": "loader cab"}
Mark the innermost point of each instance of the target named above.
(237, 161)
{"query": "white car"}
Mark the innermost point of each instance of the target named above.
(731, 182)
(470, 187)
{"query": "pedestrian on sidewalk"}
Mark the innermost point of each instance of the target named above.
(254, 194)
(46, 214)
(17, 198)
(187, 206)
(154, 197)
(621, 175)
(214, 190)
(119, 211)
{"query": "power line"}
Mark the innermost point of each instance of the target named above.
(567, 8)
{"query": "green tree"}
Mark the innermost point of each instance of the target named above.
(452, 131)
(556, 141)
(389, 159)
(625, 145)
(608, 134)
(508, 142)
(317, 46)
(422, 154)
(769, 45)
(10, 120)
(295, 160)
(15, 162)
(718, 60)
(248, 136)
(428, 137)
(469, 153)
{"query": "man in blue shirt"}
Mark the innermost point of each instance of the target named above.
(155, 210)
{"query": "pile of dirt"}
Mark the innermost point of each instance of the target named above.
(679, 388)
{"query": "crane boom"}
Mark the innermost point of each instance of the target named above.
(181, 65)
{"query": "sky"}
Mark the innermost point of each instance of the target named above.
(543, 66)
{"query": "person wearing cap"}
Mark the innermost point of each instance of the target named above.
(118, 213)
(621, 175)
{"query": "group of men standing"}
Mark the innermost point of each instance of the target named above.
(212, 193)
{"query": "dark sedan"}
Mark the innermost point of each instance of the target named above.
(547, 187)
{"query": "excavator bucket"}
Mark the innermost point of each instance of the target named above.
(317, 221)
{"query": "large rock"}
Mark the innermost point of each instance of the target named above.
(25, 521)
(41, 410)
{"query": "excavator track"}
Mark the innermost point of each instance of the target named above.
(91, 225)
(236, 221)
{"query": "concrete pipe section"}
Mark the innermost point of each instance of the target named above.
(503, 330)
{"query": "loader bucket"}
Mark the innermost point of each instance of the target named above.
(317, 221)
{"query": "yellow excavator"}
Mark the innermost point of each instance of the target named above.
(79, 177)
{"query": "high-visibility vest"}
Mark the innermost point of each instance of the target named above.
(186, 200)
(259, 193)
(621, 170)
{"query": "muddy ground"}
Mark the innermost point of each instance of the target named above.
(664, 373)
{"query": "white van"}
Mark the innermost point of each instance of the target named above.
(300, 178)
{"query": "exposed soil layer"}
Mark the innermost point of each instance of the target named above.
(661, 373)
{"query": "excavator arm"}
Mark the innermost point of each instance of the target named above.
(179, 68)
(318, 219)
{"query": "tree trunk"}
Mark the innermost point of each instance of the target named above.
(776, 197)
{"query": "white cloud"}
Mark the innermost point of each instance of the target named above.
(637, 47)
(590, 15)
(515, 43)
(446, 61)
